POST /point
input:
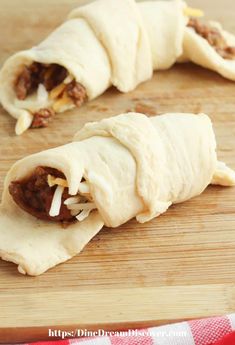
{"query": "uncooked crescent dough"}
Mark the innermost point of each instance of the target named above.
(198, 50)
(103, 43)
(134, 166)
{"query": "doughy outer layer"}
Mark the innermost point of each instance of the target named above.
(37, 245)
(198, 50)
(71, 40)
(106, 42)
(135, 166)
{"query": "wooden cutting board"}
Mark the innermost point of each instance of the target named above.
(176, 267)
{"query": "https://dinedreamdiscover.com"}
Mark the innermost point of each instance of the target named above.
(57, 333)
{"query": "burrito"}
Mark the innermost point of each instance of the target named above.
(107, 42)
(122, 167)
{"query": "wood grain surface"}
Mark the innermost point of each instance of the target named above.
(176, 267)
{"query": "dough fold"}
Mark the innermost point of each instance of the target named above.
(175, 155)
(134, 166)
(165, 23)
(119, 27)
(198, 50)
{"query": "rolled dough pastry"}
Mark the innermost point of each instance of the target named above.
(132, 166)
(107, 42)
(104, 43)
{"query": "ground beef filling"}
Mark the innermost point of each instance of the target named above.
(214, 38)
(42, 118)
(50, 76)
(76, 92)
(31, 76)
(34, 195)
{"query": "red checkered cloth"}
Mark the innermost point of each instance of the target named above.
(212, 331)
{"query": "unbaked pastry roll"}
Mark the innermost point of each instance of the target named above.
(70, 66)
(102, 43)
(116, 169)
(107, 42)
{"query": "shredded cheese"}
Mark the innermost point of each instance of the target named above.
(68, 79)
(74, 213)
(63, 104)
(35, 101)
(83, 215)
(56, 202)
(52, 181)
(57, 91)
(23, 122)
(193, 12)
(42, 94)
(80, 207)
(72, 200)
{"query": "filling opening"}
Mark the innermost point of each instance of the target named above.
(44, 195)
(47, 89)
(213, 37)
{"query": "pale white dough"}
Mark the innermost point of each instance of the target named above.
(134, 166)
(35, 246)
(119, 26)
(165, 23)
(106, 42)
(115, 42)
(198, 50)
(72, 45)
(175, 155)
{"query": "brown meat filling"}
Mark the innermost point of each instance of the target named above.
(31, 76)
(34, 195)
(214, 38)
(42, 118)
(76, 92)
(50, 76)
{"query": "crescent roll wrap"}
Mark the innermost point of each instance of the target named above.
(107, 42)
(210, 46)
(116, 169)
(165, 23)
